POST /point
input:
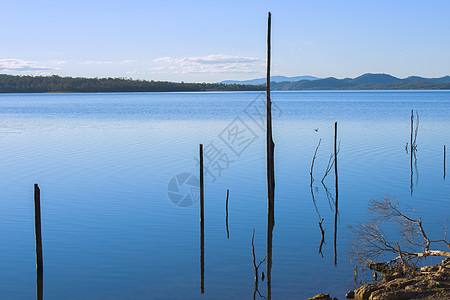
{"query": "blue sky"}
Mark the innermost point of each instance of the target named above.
(207, 41)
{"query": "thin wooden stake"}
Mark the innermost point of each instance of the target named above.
(270, 144)
(444, 162)
(226, 216)
(336, 190)
(412, 128)
(37, 226)
(201, 185)
(202, 224)
(270, 168)
(37, 223)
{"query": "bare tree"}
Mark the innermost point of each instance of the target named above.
(370, 241)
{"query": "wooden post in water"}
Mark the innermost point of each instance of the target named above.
(201, 186)
(444, 162)
(336, 190)
(226, 214)
(270, 144)
(412, 129)
(270, 168)
(202, 224)
(37, 226)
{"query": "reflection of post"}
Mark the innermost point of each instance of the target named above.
(411, 150)
(444, 162)
(226, 214)
(336, 190)
(412, 172)
(202, 225)
(270, 224)
(39, 260)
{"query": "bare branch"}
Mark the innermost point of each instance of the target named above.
(331, 162)
(370, 241)
(414, 144)
(329, 166)
(312, 163)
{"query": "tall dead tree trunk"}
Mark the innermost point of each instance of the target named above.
(270, 169)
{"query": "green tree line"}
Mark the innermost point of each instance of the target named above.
(58, 84)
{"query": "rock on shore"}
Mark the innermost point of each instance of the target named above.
(433, 282)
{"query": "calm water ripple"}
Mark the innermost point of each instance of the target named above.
(110, 231)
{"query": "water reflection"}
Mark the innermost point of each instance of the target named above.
(414, 169)
(39, 283)
(270, 225)
(323, 237)
(256, 267)
(413, 149)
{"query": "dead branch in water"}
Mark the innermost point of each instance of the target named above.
(312, 163)
(331, 162)
(370, 241)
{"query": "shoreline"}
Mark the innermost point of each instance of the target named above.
(429, 283)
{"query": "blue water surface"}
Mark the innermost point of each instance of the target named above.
(111, 229)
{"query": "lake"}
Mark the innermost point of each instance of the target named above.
(118, 175)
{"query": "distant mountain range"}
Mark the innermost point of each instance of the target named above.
(261, 81)
(367, 81)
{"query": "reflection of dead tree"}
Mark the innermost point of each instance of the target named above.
(330, 198)
(323, 237)
(312, 163)
(413, 155)
(370, 241)
(416, 169)
(314, 201)
(256, 267)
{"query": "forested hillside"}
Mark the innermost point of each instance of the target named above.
(55, 84)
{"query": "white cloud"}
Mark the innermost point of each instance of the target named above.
(108, 62)
(96, 62)
(21, 66)
(218, 63)
(128, 61)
